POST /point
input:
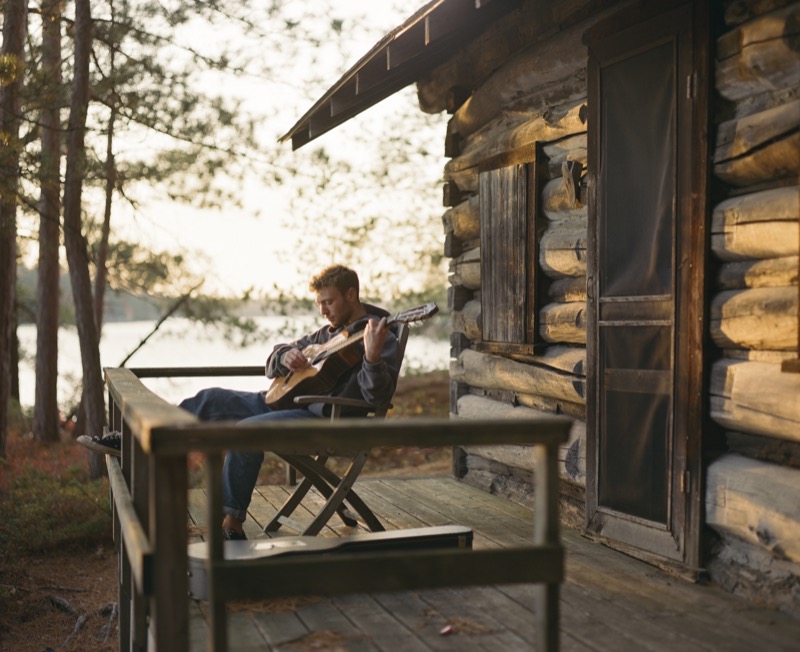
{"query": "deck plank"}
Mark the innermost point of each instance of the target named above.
(516, 615)
(676, 603)
(412, 509)
(325, 619)
(452, 510)
(198, 627)
(380, 626)
(393, 516)
(627, 629)
(243, 633)
(279, 628)
(474, 620)
(608, 600)
(416, 613)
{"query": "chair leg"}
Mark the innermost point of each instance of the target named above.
(310, 468)
(289, 505)
(296, 497)
(345, 484)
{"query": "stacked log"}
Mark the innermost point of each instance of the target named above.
(753, 492)
(558, 374)
(757, 398)
(742, 503)
(465, 271)
(496, 468)
(757, 225)
(464, 220)
(571, 456)
(759, 147)
(757, 57)
(755, 318)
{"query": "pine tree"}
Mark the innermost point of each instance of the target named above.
(45, 417)
(12, 66)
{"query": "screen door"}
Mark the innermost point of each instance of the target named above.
(636, 489)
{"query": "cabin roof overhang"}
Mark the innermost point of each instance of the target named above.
(400, 58)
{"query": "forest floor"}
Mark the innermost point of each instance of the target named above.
(58, 564)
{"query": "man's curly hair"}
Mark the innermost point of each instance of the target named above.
(338, 276)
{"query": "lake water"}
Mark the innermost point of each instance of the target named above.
(182, 343)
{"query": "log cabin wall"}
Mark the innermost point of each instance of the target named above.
(528, 106)
(752, 495)
(518, 95)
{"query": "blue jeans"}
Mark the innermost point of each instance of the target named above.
(240, 471)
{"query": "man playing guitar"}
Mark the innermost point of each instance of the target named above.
(367, 372)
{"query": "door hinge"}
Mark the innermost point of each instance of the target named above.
(685, 482)
(691, 86)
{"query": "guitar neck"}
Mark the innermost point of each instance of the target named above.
(352, 339)
(415, 314)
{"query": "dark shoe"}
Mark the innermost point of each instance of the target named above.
(108, 444)
(229, 534)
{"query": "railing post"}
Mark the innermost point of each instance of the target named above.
(135, 471)
(218, 624)
(124, 589)
(169, 599)
(545, 532)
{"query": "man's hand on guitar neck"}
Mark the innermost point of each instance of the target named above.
(375, 334)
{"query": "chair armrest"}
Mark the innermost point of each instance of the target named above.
(339, 402)
(334, 400)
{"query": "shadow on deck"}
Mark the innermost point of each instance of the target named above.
(609, 601)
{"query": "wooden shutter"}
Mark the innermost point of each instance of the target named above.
(508, 254)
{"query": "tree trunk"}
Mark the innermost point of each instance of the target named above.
(77, 255)
(14, 359)
(13, 52)
(111, 182)
(101, 273)
(45, 416)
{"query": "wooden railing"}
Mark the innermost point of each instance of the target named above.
(149, 490)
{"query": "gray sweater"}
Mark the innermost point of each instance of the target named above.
(374, 383)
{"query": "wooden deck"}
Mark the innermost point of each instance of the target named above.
(608, 602)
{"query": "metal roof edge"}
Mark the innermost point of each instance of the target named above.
(397, 60)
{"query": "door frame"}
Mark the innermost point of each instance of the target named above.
(690, 398)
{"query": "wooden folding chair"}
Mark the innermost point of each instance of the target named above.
(337, 490)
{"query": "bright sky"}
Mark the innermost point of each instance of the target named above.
(261, 244)
(242, 248)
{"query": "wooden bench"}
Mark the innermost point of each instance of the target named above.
(149, 488)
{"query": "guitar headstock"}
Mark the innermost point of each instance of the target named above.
(420, 313)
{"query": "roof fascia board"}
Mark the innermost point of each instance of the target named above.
(397, 60)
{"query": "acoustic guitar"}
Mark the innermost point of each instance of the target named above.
(329, 361)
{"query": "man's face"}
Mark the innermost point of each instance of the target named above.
(336, 307)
